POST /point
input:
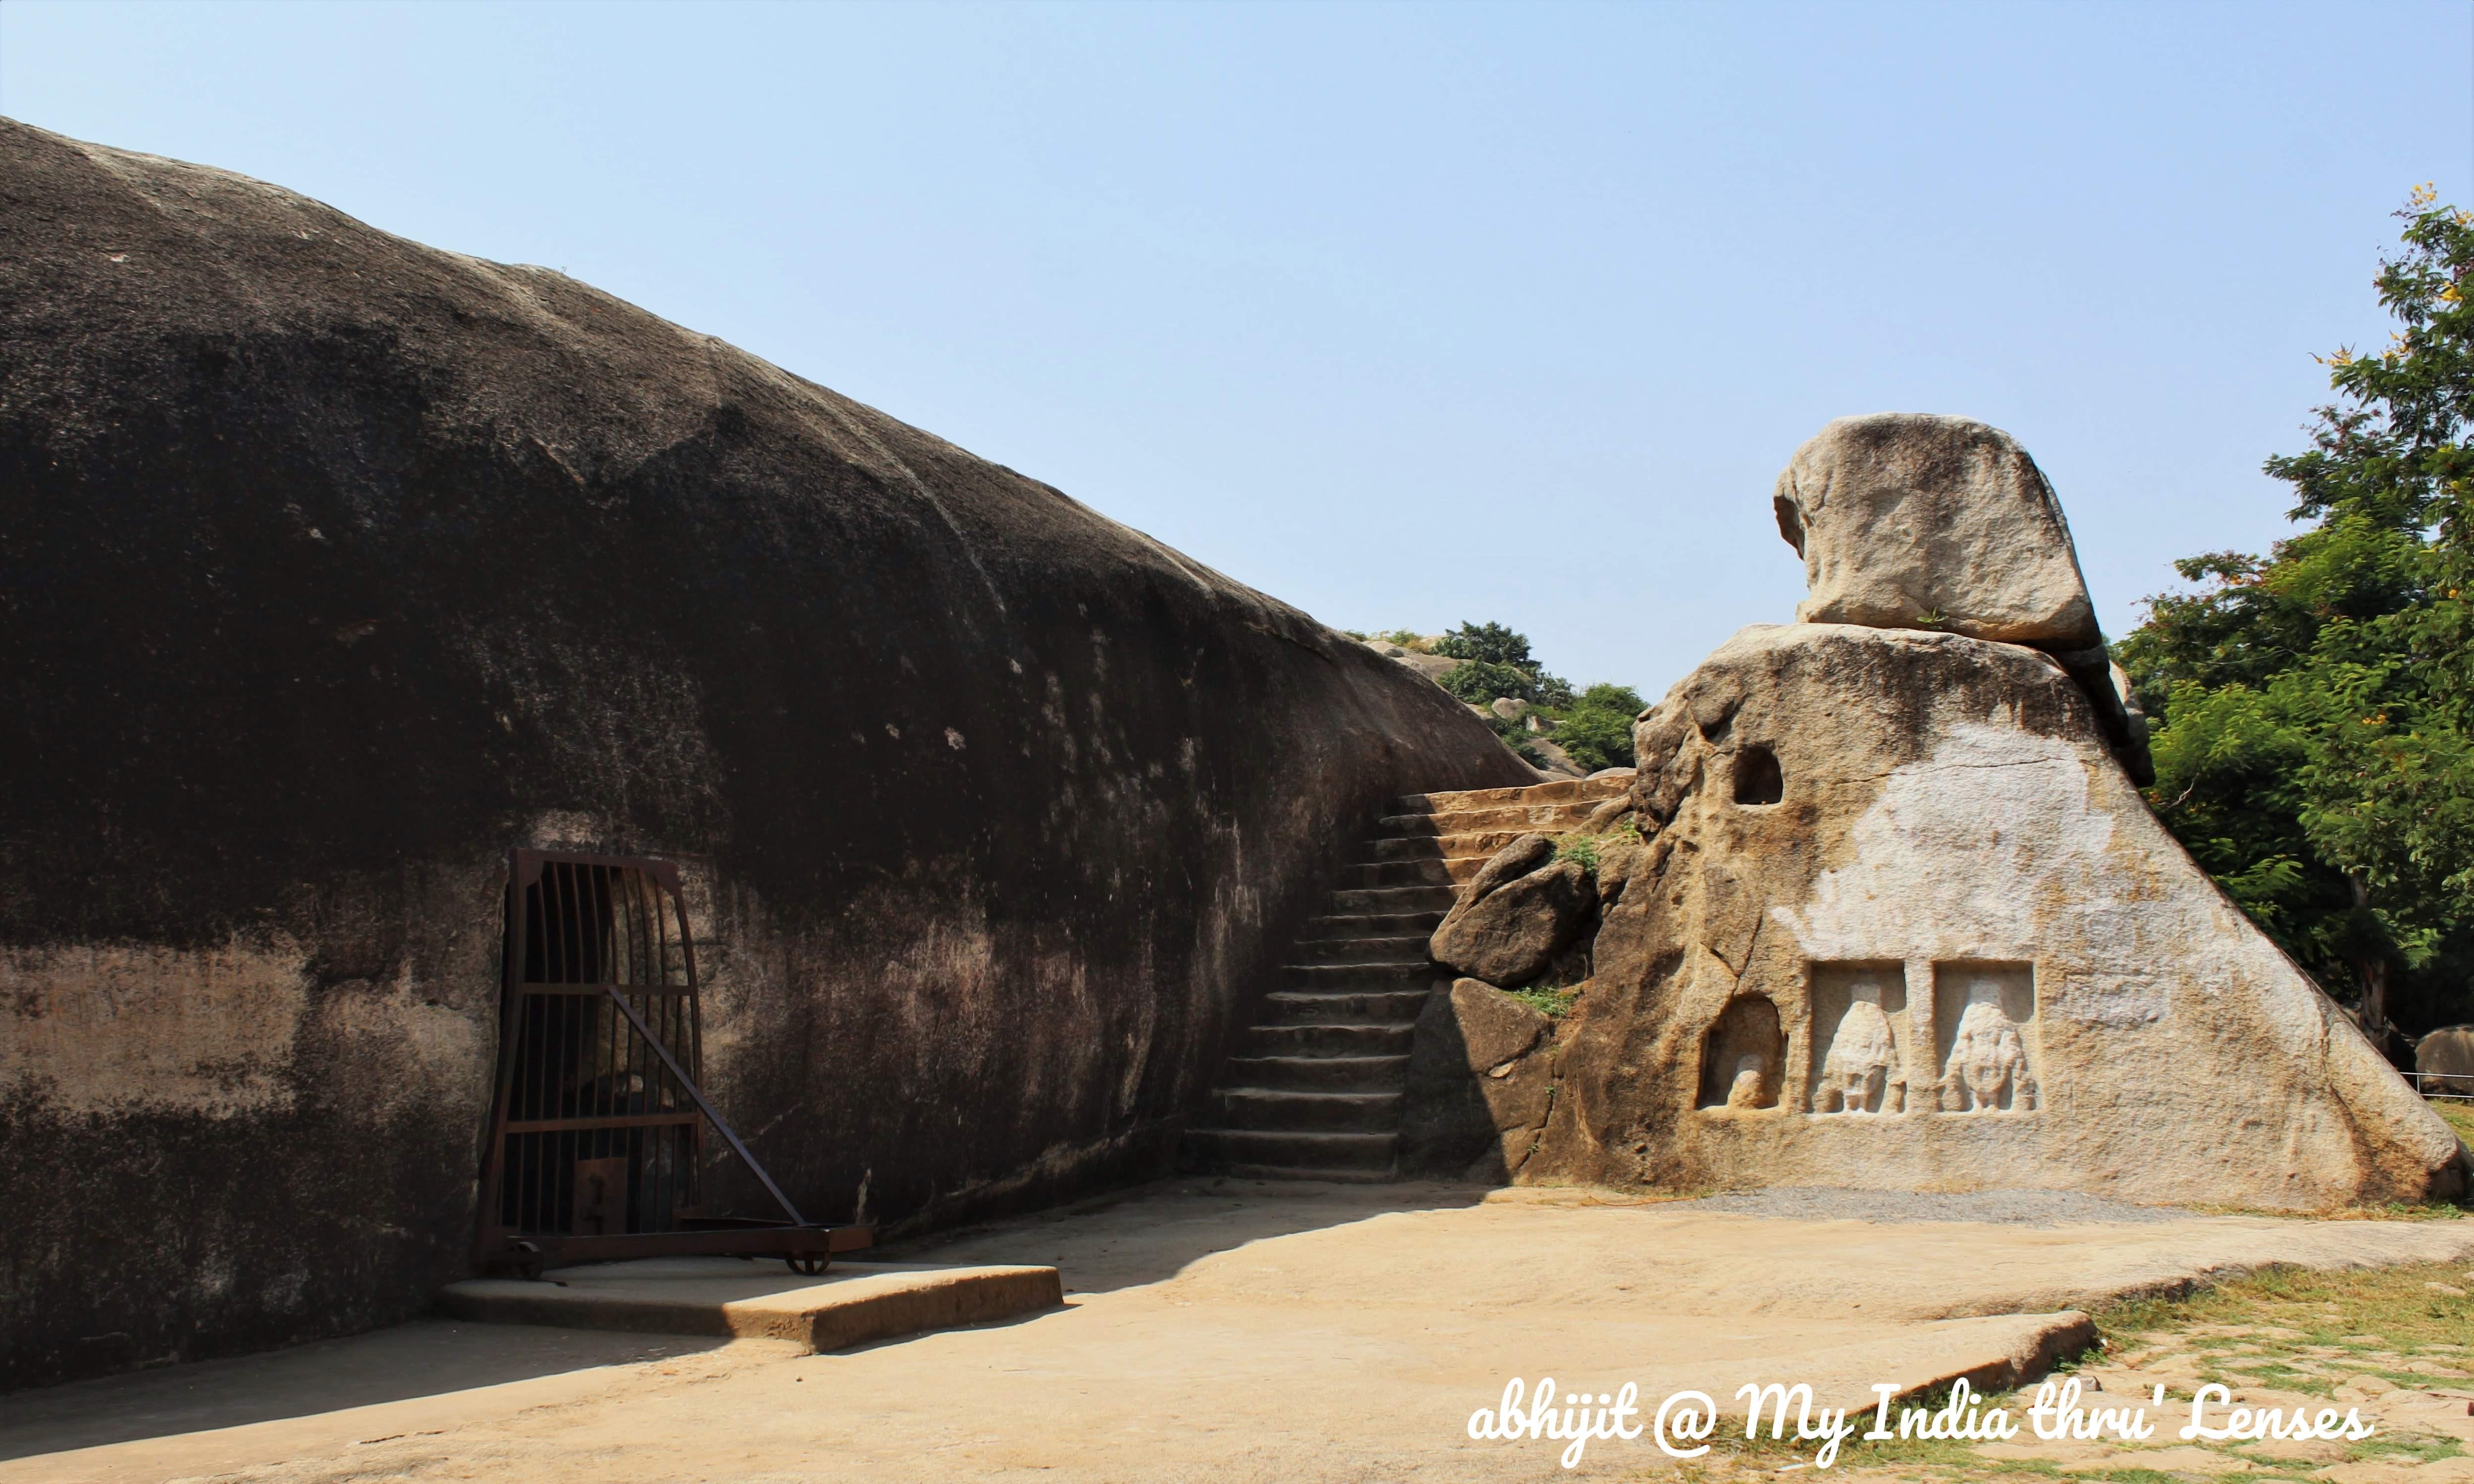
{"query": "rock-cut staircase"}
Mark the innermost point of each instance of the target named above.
(1314, 1090)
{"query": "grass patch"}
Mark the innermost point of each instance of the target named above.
(2388, 1305)
(2422, 1447)
(1550, 1000)
(1579, 847)
(2459, 1117)
(2284, 1377)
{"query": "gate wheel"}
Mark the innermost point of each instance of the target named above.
(809, 1263)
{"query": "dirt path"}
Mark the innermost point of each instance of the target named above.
(1224, 1332)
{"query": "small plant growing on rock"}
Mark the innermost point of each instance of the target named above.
(1579, 847)
(1553, 1002)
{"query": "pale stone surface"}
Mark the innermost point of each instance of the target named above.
(1519, 910)
(1906, 520)
(1214, 1331)
(2067, 999)
(850, 1303)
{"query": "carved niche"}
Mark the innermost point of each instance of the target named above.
(1985, 1015)
(1742, 1055)
(1859, 1030)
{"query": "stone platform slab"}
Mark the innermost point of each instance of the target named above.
(849, 1303)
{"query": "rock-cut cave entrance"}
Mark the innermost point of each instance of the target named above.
(600, 1132)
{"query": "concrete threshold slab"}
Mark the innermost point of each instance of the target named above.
(849, 1303)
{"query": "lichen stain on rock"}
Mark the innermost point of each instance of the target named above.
(1969, 852)
(104, 1028)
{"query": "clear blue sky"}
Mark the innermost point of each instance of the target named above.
(1407, 314)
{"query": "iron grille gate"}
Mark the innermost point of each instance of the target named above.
(598, 1132)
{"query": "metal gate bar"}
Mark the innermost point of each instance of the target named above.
(597, 1132)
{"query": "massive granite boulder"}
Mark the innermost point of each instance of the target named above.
(332, 566)
(1906, 520)
(1902, 922)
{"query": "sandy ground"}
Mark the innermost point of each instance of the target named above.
(1213, 1331)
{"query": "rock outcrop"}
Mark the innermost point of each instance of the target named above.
(336, 566)
(1480, 1085)
(1902, 922)
(1909, 521)
(1890, 912)
(1520, 910)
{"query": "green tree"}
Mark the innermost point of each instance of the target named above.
(1498, 664)
(2313, 709)
(1478, 681)
(1596, 730)
(1494, 643)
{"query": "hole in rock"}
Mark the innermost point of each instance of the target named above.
(1757, 779)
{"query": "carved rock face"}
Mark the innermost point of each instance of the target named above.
(1519, 911)
(1855, 1074)
(1909, 521)
(1978, 961)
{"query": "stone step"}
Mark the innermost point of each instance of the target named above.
(1334, 1039)
(1390, 900)
(1289, 1149)
(1470, 845)
(1347, 1007)
(1289, 1111)
(1368, 950)
(1477, 845)
(1546, 818)
(1448, 871)
(1322, 1073)
(1405, 848)
(1379, 975)
(1396, 873)
(1371, 924)
(1562, 791)
(1284, 1172)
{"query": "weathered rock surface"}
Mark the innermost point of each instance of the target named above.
(1911, 521)
(1518, 911)
(1901, 516)
(1433, 667)
(2448, 1055)
(1481, 1080)
(336, 566)
(1908, 926)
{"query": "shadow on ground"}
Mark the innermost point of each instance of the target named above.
(423, 1358)
(1159, 1229)
(1156, 1229)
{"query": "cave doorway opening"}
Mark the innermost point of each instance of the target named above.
(601, 1139)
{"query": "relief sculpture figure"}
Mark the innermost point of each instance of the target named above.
(1860, 1072)
(1988, 1059)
